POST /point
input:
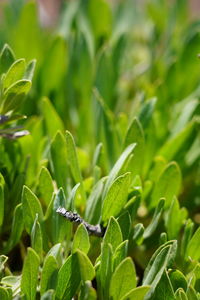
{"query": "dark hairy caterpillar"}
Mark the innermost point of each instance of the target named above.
(96, 230)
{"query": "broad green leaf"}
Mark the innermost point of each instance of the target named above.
(175, 219)
(187, 234)
(193, 249)
(72, 197)
(59, 160)
(105, 269)
(173, 145)
(172, 254)
(15, 73)
(81, 240)
(73, 162)
(48, 274)
(60, 226)
(48, 295)
(46, 187)
(13, 282)
(116, 197)
(124, 221)
(154, 222)
(178, 280)
(85, 266)
(1, 203)
(52, 120)
(6, 58)
(138, 232)
(157, 265)
(113, 235)
(53, 71)
(168, 184)
(55, 251)
(100, 27)
(14, 95)
(192, 294)
(87, 292)
(181, 295)
(4, 295)
(117, 167)
(31, 207)
(120, 254)
(164, 289)
(123, 279)
(36, 237)
(135, 134)
(94, 203)
(17, 227)
(30, 270)
(137, 293)
(30, 70)
(146, 112)
(76, 268)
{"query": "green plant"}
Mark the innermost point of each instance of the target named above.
(113, 118)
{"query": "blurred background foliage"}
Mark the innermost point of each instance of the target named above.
(104, 68)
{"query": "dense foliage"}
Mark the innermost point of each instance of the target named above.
(113, 116)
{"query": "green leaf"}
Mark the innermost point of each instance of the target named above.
(17, 227)
(178, 280)
(14, 95)
(120, 254)
(81, 240)
(74, 164)
(193, 249)
(137, 293)
(87, 292)
(187, 234)
(4, 295)
(60, 226)
(3, 260)
(159, 261)
(46, 187)
(164, 289)
(30, 270)
(15, 73)
(173, 145)
(13, 282)
(30, 70)
(49, 295)
(6, 58)
(113, 235)
(146, 112)
(1, 203)
(124, 221)
(135, 134)
(48, 274)
(168, 184)
(94, 203)
(36, 237)
(59, 160)
(117, 167)
(52, 120)
(123, 279)
(175, 219)
(31, 207)
(52, 72)
(105, 270)
(138, 232)
(76, 267)
(181, 295)
(191, 294)
(154, 222)
(116, 197)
